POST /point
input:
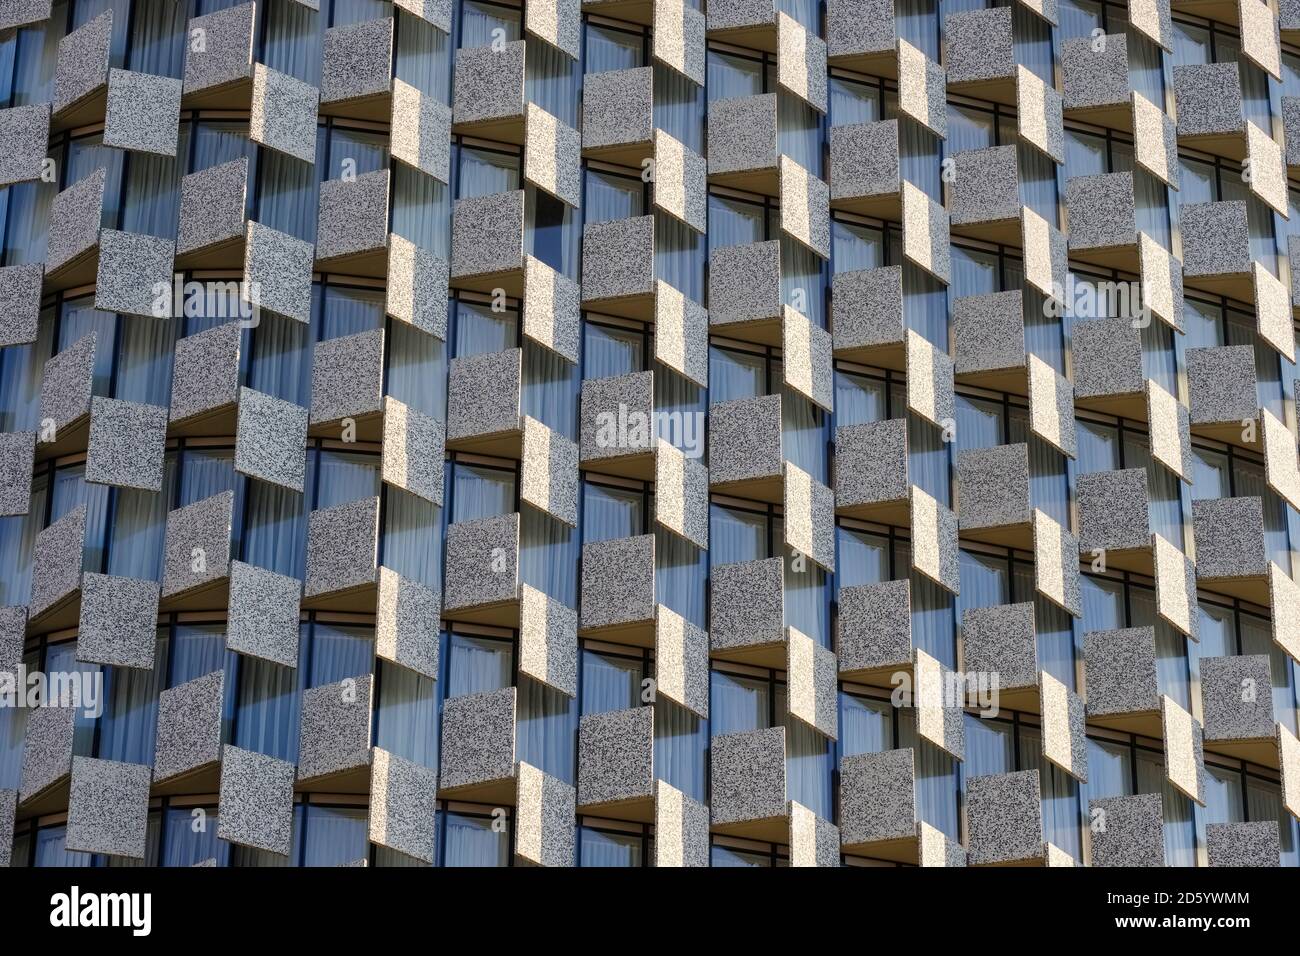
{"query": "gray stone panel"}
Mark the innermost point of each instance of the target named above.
(1004, 818)
(681, 183)
(871, 464)
(1040, 115)
(922, 89)
(1291, 131)
(482, 565)
(805, 207)
(8, 810)
(255, 808)
(1155, 145)
(1237, 697)
(737, 14)
(934, 541)
(413, 451)
(347, 379)
(548, 640)
(618, 582)
(24, 136)
(552, 313)
(1221, 384)
(133, 270)
(1101, 211)
(342, 545)
(406, 624)
(938, 719)
(742, 134)
(421, 133)
(126, 444)
(13, 631)
(618, 258)
(263, 616)
(616, 757)
(489, 83)
(877, 797)
(809, 517)
(1229, 535)
(1056, 564)
(82, 67)
(678, 40)
(681, 828)
(353, 216)
(487, 234)
(800, 61)
(1001, 640)
(484, 394)
(875, 626)
(118, 623)
(283, 114)
(189, 726)
(548, 472)
(271, 440)
(357, 61)
(226, 53)
(1208, 99)
(606, 405)
(1169, 431)
(47, 749)
(745, 283)
(990, 332)
(747, 773)
(868, 308)
(436, 12)
(403, 804)
(143, 112)
(416, 291)
(196, 550)
(985, 186)
(1051, 406)
(334, 734)
(1216, 238)
(618, 108)
(558, 22)
(1095, 77)
(17, 452)
(925, 233)
(1243, 844)
(745, 439)
(108, 808)
(544, 818)
(682, 495)
(747, 604)
(1107, 358)
(20, 303)
(478, 739)
(1064, 738)
(278, 272)
(1120, 672)
(859, 27)
(681, 661)
(812, 692)
(553, 156)
(212, 206)
(1128, 831)
(864, 160)
(57, 557)
(993, 484)
(21, 13)
(205, 372)
(813, 840)
(978, 45)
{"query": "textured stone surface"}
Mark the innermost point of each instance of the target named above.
(608, 403)
(118, 623)
(226, 54)
(1216, 238)
(1176, 588)
(1288, 750)
(1004, 818)
(47, 749)
(1237, 697)
(681, 661)
(552, 308)
(678, 40)
(484, 394)
(1243, 844)
(807, 366)
(347, 378)
(805, 207)
(1101, 211)
(478, 739)
(929, 381)
(126, 444)
(413, 451)
(421, 135)
(747, 774)
(618, 108)
(1284, 600)
(205, 372)
(745, 283)
(271, 440)
(56, 561)
(189, 726)
(989, 332)
(334, 734)
(1051, 406)
(283, 114)
(1107, 358)
(24, 135)
(922, 89)
(1155, 142)
(1229, 534)
(548, 472)
(1113, 510)
(263, 616)
(196, 548)
(1259, 36)
(618, 258)
(357, 61)
(1046, 254)
(1039, 117)
(978, 45)
(20, 303)
(616, 757)
(864, 160)
(353, 216)
(747, 605)
(82, 66)
(552, 155)
(403, 801)
(934, 541)
(618, 581)
(868, 308)
(21, 13)
(1056, 564)
(742, 134)
(813, 840)
(558, 22)
(1221, 385)
(436, 12)
(800, 61)
(811, 690)
(212, 206)
(1267, 167)
(406, 624)
(143, 112)
(482, 565)
(8, 809)
(745, 439)
(875, 626)
(1001, 640)
(1208, 99)
(985, 186)
(278, 272)
(871, 463)
(682, 496)
(1120, 671)
(857, 27)
(1095, 77)
(544, 818)
(939, 719)
(342, 543)
(681, 334)
(131, 272)
(1128, 831)
(681, 828)
(489, 83)
(994, 486)
(1065, 742)
(256, 802)
(877, 797)
(1151, 18)
(13, 630)
(108, 809)
(1272, 312)
(1168, 427)
(925, 232)
(17, 451)
(487, 234)
(416, 292)
(548, 640)
(1183, 745)
(1291, 129)
(809, 517)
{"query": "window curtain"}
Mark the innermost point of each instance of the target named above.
(477, 664)
(609, 48)
(807, 595)
(417, 370)
(130, 718)
(339, 652)
(730, 76)
(984, 582)
(1180, 828)
(139, 525)
(350, 311)
(345, 478)
(608, 197)
(1055, 627)
(680, 577)
(802, 281)
(990, 746)
(679, 257)
(1270, 369)
(485, 172)
(858, 399)
(974, 272)
(1249, 481)
(852, 103)
(681, 739)
(52, 851)
(547, 729)
(1062, 810)
(158, 37)
(855, 247)
(610, 512)
(36, 56)
(80, 318)
(144, 363)
(282, 358)
(292, 39)
(928, 457)
(1257, 638)
(83, 11)
(190, 839)
(424, 56)
(736, 535)
(17, 540)
(917, 22)
(412, 542)
(13, 729)
(22, 369)
(551, 385)
(734, 374)
(679, 105)
(610, 682)
(1166, 496)
(275, 534)
(609, 351)
(481, 492)
(407, 715)
(609, 849)
(1264, 802)
(355, 151)
(866, 725)
(288, 188)
(153, 185)
(808, 763)
(478, 20)
(71, 491)
(862, 558)
(679, 406)
(1049, 483)
(1038, 180)
(208, 472)
(335, 836)
(738, 704)
(936, 777)
(803, 439)
(1172, 675)
(798, 132)
(422, 211)
(918, 158)
(471, 841)
(734, 222)
(63, 657)
(269, 699)
(217, 143)
(553, 81)
(553, 231)
(548, 552)
(479, 330)
(933, 624)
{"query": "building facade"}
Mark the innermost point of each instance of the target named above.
(620, 433)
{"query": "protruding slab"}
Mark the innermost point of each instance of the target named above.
(403, 804)
(1128, 831)
(263, 616)
(108, 809)
(1004, 818)
(255, 808)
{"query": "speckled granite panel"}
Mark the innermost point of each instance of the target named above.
(143, 113)
(482, 564)
(1004, 818)
(742, 134)
(747, 773)
(263, 616)
(189, 726)
(618, 581)
(875, 626)
(483, 394)
(478, 739)
(877, 797)
(1120, 671)
(1237, 697)
(334, 735)
(196, 548)
(1001, 640)
(1128, 831)
(57, 557)
(1229, 535)
(406, 623)
(357, 61)
(134, 274)
(868, 308)
(255, 808)
(118, 623)
(993, 484)
(108, 808)
(616, 756)
(548, 640)
(1113, 510)
(126, 445)
(342, 544)
(747, 605)
(403, 802)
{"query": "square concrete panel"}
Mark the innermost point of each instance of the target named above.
(548, 640)
(864, 161)
(875, 627)
(681, 334)
(1065, 742)
(934, 541)
(1284, 600)
(1288, 751)
(435, 12)
(682, 495)
(24, 136)
(189, 726)
(939, 719)
(283, 114)
(342, 547)
(416, 291)
(1162, 282)
(745, 439)
(487, 234)
(618, 259)
(334, 736)
(1169, 430)
(263, 615)
(1051, 406)
(8, 810)
(1243, 844)
(552, 156)
(929, 381)
(989, 332)
(21, 13)
(1183, 745)
(47, 749)
(1128, 831)
(1237, 698)
(119, 621)
(1056, 564)
(108, 809)
(255, 808)
(347, 379)
(1039, 116)
(134, 274)
(126, 444)
(1004, 818)
(422, 134)
(1120, 672)
(478, 739)
(196, 550)
(13, 633)
(681, 828)
(877, 797)
(616, 757)
(809, 517)
(225, 56)
(407, 622)
(617, 417)
(925, 232)
(213, 204)
(357, 61)
(868, 309)
(978, 45)
(860, 27)
(747, 606)
(800, 61)
(489, 84)
(1208, 99)
(82, 67)
(1095, 71)
(278, 272)
(993, 485)
(484, 394)
(985, 186)
(618, 109)
(353, 216)
(1107, 358)
(1229, 535)
(807, 360)
(552, 309)
(1281, 468)
(747, 773)
(678, 40)
(618, 582)
(1155, 141)
(1175, 575)
(1101, 211)
(1216, 239)
(544, 819)
(680, 181)
(871, 466)
(143, 112)
(1259, 36)
(742, 134)
(1045, 254)
(1151, 19)
(482, 564)
(17, 453)
(681, 661)
(813, 840)
(812, 694)
(413, 451)
(745, 284)
(271, 440)
(558, 22)
(403, 805)
(1001, 640)
(20, 302)
(57, 558)
(205, 372)
(922, 89)
(1291, 129)
(548, 472)
(1113, 510)
(805, 207)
